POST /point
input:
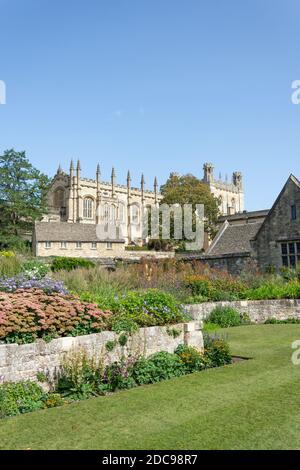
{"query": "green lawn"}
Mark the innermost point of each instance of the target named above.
(254, 404)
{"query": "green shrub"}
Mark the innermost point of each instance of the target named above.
(274, 321)
(225, 317)
(191, 359)
(120, 325)
(159, 366)
(216, 350)
(275, 288)
(148, 308)
(22, 397)
(68, 264)
(35, 269)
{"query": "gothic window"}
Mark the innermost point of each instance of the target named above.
(233, 204)
(88, 204)
(108, 213)
(134, 214)
(121, 212)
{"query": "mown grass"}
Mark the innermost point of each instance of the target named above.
(249, 405)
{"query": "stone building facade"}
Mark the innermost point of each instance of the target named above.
(230, 194)
(277, 242)
(270, 238)
(78, 200)
(79, 205)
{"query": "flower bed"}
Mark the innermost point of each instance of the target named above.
(26, 315)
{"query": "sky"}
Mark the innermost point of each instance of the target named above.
(154, 86)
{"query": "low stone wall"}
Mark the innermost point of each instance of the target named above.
(258, 311)
(137, 255)
(23, 362)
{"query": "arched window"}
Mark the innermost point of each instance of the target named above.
(134, 214)
(233, 204)
(121, 212)
(108, 213)
(88, 204)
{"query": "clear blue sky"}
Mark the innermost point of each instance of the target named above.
(154, 86)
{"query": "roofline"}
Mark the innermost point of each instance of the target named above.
(290, 178)
(218, 236)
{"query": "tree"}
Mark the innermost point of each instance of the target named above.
(188, 189)
(23, 197)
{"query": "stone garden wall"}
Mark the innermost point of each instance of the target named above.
(22, 362)
(257, 310)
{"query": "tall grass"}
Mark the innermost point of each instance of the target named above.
(10, 266)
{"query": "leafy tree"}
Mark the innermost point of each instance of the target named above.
(187, 189)
(23, 197)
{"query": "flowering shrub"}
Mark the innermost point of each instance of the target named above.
(26, 315)
(148, 308)
(34, 269)
(21, 281)
(221, 287)
(216, 351)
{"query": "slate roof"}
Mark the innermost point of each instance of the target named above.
(232, 239)
(244, 215)
(68, 232)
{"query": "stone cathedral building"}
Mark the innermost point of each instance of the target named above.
(77, 205)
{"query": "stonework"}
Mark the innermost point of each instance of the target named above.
(258, 311)
(23, 362)
(231, 194)
(281, 227)
(270, 238)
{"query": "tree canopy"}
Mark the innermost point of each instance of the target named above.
(23, 197)
(187, 189)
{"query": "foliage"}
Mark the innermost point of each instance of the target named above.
(275, 288)
(23, 196)
(148, 308)
(8, 254)
(80, 376)
(120, 325)
(188, 189)
(216, 350)
(26, 315)
(35, 269)
(21, 281)
(215, 288)
(10, 266)
(110, 345)
(159, 366)
(275, 321)
(225, 317)
(23, 397)
(60, 263)
(173, 332)
(191, 358)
